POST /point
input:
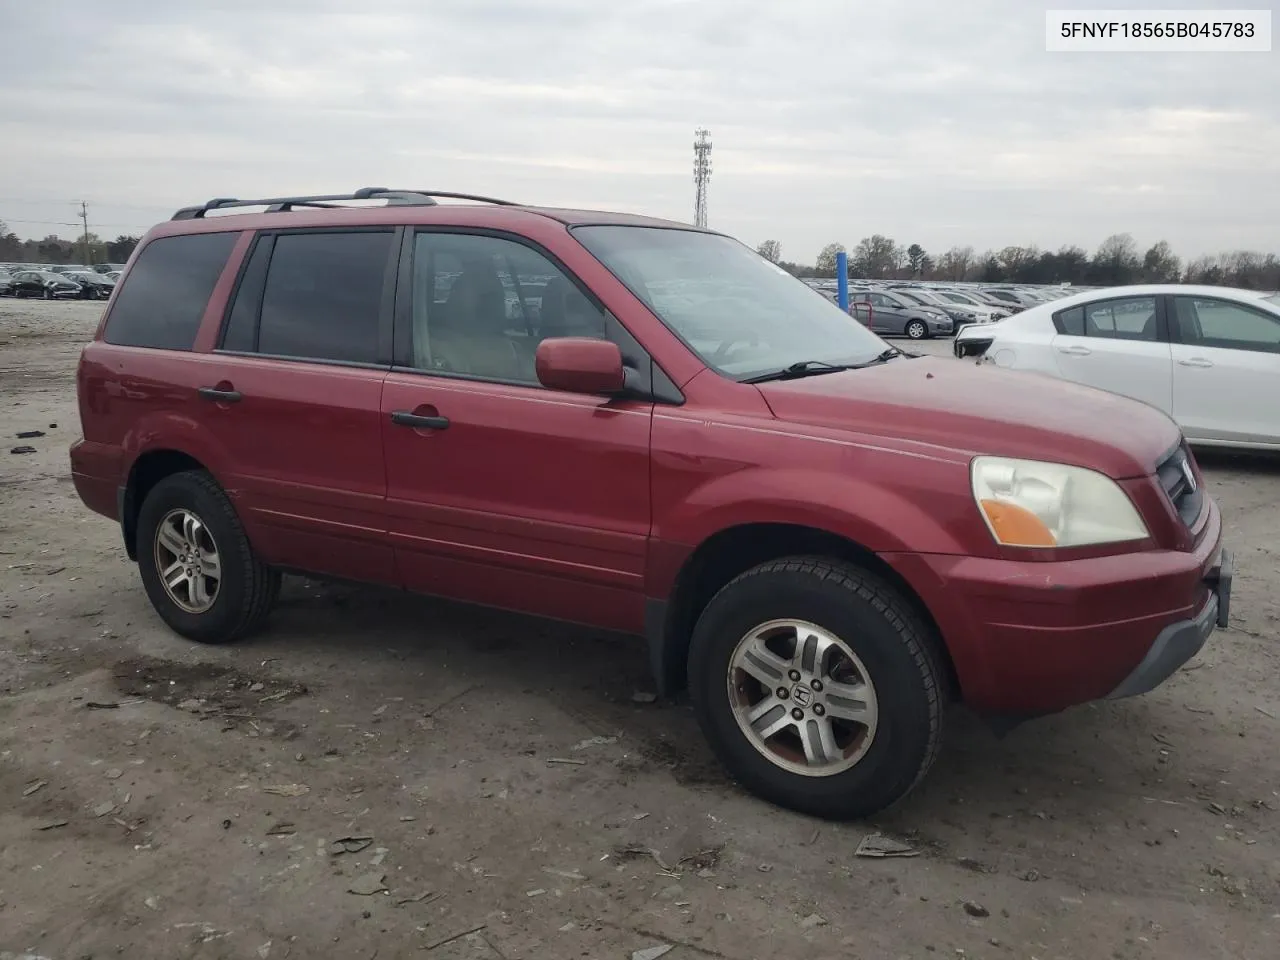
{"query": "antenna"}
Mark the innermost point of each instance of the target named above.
(701, 175)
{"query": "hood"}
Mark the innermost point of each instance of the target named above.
(973, 409)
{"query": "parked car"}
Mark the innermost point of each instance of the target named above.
(93, 286)
(108, 268)
(961, 314)
(890, 312)
(51, 286)
(1011, 299)
(6, 283)
(71, 268)
(1209, 357)
(965, 298)
(825, 539)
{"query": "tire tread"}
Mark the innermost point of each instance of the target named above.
(918, 638)
(262, 582)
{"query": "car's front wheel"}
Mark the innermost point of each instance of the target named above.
(197, 565)
(917, 330)
(818, 687)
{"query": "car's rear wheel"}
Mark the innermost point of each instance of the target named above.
(917, 330)
(818, 687)
(197, 565)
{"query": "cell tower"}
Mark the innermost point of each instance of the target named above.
(701, 175)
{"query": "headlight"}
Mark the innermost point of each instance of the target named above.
(1029, 503)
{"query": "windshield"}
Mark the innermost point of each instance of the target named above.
(958, 298)
(742, 315)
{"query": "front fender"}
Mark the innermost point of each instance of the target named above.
(907, 517)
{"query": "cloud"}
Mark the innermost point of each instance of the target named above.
(932, 121)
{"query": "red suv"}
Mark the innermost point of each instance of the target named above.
(643, 427)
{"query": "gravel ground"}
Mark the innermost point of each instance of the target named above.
(379, 774)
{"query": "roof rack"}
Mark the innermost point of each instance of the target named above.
(394, 198)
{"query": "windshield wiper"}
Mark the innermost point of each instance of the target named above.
(803, 368)
(883, 357)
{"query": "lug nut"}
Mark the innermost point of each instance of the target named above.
(819, 709)
(816, 685)
(797, 714)
(795, 676)
(783, 693)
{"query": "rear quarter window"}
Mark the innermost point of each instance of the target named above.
(1070, 322)
(163, 299)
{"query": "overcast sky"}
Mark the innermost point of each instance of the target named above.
(940, 122)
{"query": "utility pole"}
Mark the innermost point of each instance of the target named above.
(701, 175)
(84, 218)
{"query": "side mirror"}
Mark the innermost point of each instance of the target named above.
(580, 365)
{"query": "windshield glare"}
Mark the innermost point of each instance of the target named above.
(742, 315)
(1274, 298)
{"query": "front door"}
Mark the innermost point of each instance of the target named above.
(501, 491)
(1226, 371)
(292, 396)
(1118, 345)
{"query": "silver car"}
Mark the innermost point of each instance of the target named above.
(884, 311)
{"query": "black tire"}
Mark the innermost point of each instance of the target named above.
(917, 330)
(248, 587)
(882, 629)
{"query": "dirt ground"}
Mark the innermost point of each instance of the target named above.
(379, 774)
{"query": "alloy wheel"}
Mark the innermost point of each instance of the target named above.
(802, 698)
(187, 560)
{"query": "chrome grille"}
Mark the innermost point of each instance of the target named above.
(1178, 480)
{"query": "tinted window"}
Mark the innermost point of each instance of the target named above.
(1220, 323)
(1070, 322)
(163, 299)
(241, 331)
(1131, 318)
(481, 306)
(323, 296)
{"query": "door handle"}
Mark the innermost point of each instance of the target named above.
(220, 396)
(1075, 351)
(403, 418)
(1196, 362)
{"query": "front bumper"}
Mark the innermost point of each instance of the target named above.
(1029, 638)
(1179, 642)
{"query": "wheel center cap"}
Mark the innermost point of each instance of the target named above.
(802, 695)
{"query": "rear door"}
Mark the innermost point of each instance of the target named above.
(1120, 345)
(1226, 370)
(888, 314)
(291, 393)
(501, 491)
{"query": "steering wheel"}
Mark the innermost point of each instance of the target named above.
(752, 339)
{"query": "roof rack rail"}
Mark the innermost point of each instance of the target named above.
(398, 198)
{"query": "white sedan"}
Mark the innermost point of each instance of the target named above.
(1207, 356)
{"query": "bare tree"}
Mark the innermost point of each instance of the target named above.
(826, 265)
(1116, 260)
(771, 250)
(1015, 260)
(877, 256)
(955, 263)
